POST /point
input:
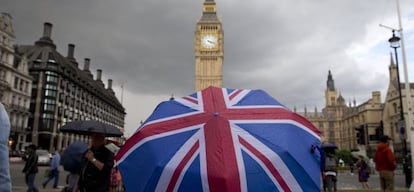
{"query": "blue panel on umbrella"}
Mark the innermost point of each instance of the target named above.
(167, 109)
(257, 179)
(258, 97)
(150, 155)
(192, 179)
(299, 149)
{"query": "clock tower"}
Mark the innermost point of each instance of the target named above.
(209, 49)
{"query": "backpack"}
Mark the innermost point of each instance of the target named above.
(368, 168)
(330, 164)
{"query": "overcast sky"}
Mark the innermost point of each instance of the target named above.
(285, 47)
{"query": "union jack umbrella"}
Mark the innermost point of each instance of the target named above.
(222, 139)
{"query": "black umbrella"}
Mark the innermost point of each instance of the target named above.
(328, 147)
(87, 127)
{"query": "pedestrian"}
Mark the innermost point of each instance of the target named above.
(330, 171)
(351, 168)
(30, 168)
(5, 181)
(385, 164)
(372, 165)
(363, 172)
(54, 171)
(96, 166)
(114, 179)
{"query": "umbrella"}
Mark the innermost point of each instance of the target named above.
(86, 127)
(221, 139)
(356, 155)
(72, 156)
(329, 147)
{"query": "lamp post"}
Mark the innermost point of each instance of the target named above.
(395, 43)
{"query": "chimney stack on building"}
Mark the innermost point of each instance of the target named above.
(109, 83)
(71, 50)
(86, 68)
(47, 34)
(86, 65)
(47, 30)
(70, 57)
(99, 75)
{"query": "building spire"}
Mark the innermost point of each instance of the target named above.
(330, 82)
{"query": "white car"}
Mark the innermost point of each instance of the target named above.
(44, 157)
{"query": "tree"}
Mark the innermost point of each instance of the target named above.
(344, 155)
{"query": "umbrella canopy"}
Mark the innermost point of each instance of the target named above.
(87, 127)
(329, 147)
(221, 140)
(72, 156)
(356, 155)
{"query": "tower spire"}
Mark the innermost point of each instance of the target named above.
(330, 82)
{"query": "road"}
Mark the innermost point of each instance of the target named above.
(346, 181)
(18, 183)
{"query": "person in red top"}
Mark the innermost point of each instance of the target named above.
(385, 164)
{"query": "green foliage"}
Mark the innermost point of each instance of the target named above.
(344, 155)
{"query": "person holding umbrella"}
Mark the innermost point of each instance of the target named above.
(30, 168)
(71, 158)
(96, 166)
(363, 173)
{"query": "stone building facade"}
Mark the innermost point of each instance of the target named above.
(15, 83)
(358, 127)
(62, 92)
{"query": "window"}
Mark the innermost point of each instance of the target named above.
(49, 107)
(21, 85)
(51, 65)
(50, 93)
(16, 82)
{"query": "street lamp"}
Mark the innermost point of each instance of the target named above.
(395, 43)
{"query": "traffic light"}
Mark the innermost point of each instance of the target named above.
(360, 135)
(379, 131)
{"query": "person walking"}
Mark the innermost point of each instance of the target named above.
(330, 171)
(385, 164)
(96, 166)
(54, 171)
(5, 181)
(363, 172)
(30, 168)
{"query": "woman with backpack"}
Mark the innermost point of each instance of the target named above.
(363, 172)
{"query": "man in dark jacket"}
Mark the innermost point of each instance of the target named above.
(30, 168)
(385, 164)
(96, 166)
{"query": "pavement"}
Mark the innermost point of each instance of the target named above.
(346, 181)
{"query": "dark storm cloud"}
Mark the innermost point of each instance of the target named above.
(284, 47)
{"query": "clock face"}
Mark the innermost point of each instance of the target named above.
(209, 41)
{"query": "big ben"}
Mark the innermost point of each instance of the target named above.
(209, 48)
